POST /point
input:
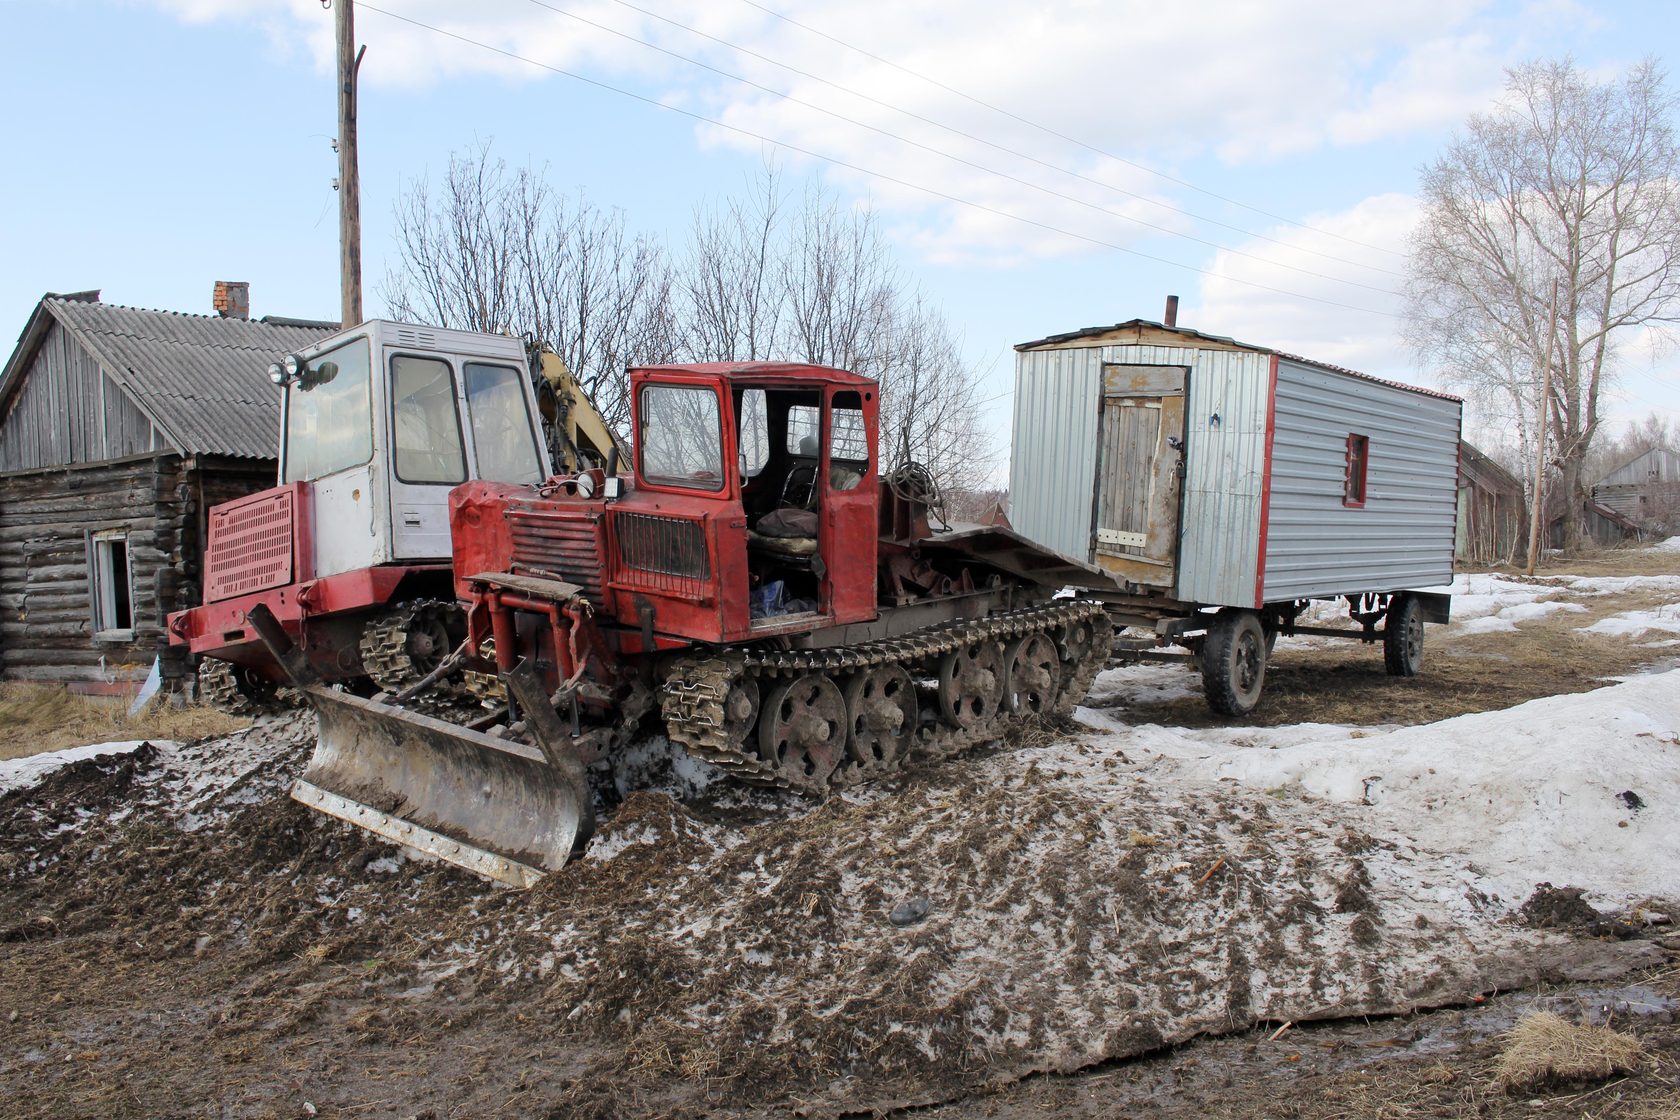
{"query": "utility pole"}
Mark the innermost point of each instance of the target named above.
(349, 179)
(1545, 394)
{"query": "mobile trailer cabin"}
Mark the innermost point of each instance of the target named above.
(1201, 472)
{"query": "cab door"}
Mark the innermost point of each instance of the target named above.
(847, 507)
(427, 452)
(327, 441)
(1139, 472)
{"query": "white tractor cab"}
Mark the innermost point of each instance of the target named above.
(383, 420)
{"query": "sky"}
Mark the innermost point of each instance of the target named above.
(1038, 167)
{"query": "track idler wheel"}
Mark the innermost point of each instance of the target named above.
(802, 731)
(881, 718)
(1035, 673)
(971, 685)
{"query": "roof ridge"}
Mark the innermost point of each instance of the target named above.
(284, 322)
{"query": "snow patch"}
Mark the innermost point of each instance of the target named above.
(1536, 792)
(1630, 624)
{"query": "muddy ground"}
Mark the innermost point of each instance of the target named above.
(180, 939)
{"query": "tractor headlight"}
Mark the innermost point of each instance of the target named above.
(277, 374)
(293, 365)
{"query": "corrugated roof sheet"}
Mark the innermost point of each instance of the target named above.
(202, 379)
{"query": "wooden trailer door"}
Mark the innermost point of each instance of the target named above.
(1139, 472)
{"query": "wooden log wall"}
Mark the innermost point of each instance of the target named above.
(46, 614)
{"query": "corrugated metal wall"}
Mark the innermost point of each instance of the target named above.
(1225, 467)
(1053, 459)
(1403, 537)
(1058, 401)
(67, 411)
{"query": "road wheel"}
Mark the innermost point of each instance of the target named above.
(1403, 637)
(971, 685)
(802, 731)
(1234, 662)
(882, 713)
(1034, 675)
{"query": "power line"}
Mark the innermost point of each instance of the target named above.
(930, 191)
(1046, 129)
(948, 128)
(792, 99)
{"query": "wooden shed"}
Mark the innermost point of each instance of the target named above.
(1492, 510)
(119, 428)
(1645, 490)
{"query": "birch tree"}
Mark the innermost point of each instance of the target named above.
(1569, 185)
(495, 249)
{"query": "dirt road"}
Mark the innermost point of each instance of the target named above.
(180, 939)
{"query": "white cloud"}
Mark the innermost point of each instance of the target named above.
(1372, 233)
(1232, 84)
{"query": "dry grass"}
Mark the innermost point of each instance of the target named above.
(1622, 560)
(41, 717)
(1344, 682)
(1546, 1049)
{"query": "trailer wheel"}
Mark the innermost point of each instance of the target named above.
(1403, 637)
(1234, 662)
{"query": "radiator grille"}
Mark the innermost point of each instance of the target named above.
(664, 554)
(249, 546)
(567, 544)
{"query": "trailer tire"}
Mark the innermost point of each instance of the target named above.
(1403, 637)
(1234, 662)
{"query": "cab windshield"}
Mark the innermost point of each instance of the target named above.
(329, 415)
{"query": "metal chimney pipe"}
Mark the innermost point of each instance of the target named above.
(1171, 317)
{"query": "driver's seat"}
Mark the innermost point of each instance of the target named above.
(799, 488)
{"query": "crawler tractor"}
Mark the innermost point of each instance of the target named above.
(351, 552)
(757, 584)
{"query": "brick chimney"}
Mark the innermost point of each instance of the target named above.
(1170, 319)
(232, 299)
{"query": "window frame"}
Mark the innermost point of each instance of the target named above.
(724, 485)
(1356, 471)
(102, 600)
(286, 414)
(465, 406)
(838, 440)
(467, 469)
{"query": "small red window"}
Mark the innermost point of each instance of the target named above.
(1358, 455)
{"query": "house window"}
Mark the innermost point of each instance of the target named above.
(111, 585)
(1358, 457)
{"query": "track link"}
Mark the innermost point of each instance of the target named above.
(219, 686)
(697, 685)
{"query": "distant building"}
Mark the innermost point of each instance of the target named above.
(1492, 511)
(119, 428)
(1645, 490)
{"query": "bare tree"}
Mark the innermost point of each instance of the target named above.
(733, 301)
(1568, 185)
(497, 250)
(819, 284)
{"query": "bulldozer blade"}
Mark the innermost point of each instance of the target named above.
(492, 806)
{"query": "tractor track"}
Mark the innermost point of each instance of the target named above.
(699, 685)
